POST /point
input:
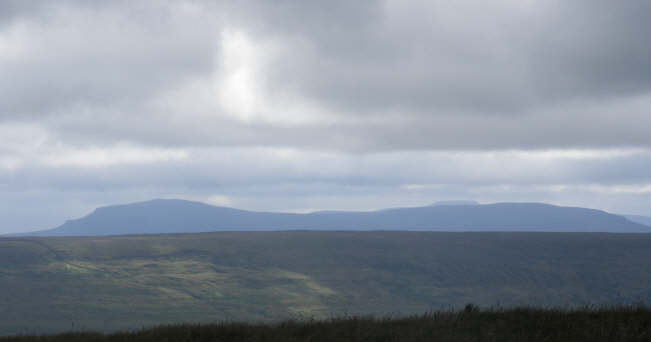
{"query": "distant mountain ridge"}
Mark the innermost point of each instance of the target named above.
(163, 216)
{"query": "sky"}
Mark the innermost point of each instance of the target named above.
(300, 106)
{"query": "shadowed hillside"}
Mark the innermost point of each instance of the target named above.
(108, 283)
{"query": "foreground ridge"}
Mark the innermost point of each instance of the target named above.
(621, 323)
(109, 284)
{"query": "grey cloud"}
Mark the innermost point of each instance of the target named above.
(244, 170)
(398, 75)
(82, 58)
(437, 94)
(604, 124)
(592, 48)
(496, 59)
(12, 10)
(442, 60)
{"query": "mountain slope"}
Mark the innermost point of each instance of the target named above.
(645, 220)
(127, 282)
(179, 216)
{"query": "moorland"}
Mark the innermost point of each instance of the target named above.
(105, 284)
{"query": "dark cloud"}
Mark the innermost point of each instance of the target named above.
(591, 49)
(70, 60)
(440, 58)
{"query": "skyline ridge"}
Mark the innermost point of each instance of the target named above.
(179, 216)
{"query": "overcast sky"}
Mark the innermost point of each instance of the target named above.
(299, 106)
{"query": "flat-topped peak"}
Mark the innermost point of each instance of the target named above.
(159, 216)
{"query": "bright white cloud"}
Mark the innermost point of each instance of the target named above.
(245, 91)
(243, 64)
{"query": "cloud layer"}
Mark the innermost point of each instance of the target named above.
(342, 105)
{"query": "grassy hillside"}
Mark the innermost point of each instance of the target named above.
(108, 283)
(517, 325)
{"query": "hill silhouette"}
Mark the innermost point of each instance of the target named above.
(645, 220)
(162, 216)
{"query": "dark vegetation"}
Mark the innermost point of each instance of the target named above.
(177, 216)
(471, 324)
(109, 284)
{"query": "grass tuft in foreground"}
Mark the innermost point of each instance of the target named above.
(630, 323)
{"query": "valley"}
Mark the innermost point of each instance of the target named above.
(128, 282)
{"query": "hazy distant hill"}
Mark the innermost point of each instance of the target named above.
(645, 220)
(127, 282)
(179, 216)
